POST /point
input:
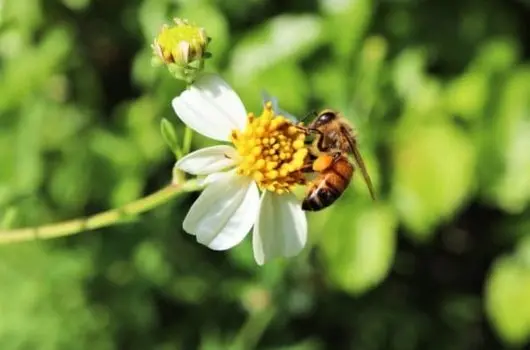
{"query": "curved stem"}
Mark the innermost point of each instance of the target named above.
(104, 219)
(253, 329)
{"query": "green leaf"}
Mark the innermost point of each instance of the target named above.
(467, 95)
(170, 136)
(496, 55)
(433, 175)
(359, 250)
(507, 140)
(281, 39)
(151, 16)
(29, 166)
(364, 89)
(43, 300)
(26, 73)
(346, 24)
(512, 192)
(65, 192)
(273, 80)
(126, 190)
(214, 22)
(508, 301)
(408, 73)
(150, 262)
(76, 5)
(523, 251)
(330, 84)
(9, 218)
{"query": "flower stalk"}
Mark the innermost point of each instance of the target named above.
(107, 218)
(188, 135)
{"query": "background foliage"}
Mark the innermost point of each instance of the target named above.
(439, 92)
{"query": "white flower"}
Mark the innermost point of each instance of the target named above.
(266, 154)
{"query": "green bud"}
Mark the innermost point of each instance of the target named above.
(182, 48)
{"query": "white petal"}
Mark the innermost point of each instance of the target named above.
(281, 228)
(211, 108)
(208, 160)
(224, 212)
(211, 178)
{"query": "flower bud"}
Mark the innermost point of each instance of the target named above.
(182, 48)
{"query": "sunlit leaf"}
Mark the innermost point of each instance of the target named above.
(8, 218)
(364, 90)
(67, 193)
(331, 85)
(346, 24)
(150, 263)
(151, 16)
(507, 301)
(291, 99)
(215, 24)
(505, 146)
(29, 165)
(433, 175)
(513, 190)
(359, 250)
(29, 71)
(496, 55)
(468, 94)
(43, 302)
(286, 37)
(77, 4)
(408, 73)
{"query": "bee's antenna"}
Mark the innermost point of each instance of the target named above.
(312, 114)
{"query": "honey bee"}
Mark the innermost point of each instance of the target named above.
(334, 140)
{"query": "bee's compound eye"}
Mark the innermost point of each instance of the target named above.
(325, 117)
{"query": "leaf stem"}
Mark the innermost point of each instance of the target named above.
(104, 219)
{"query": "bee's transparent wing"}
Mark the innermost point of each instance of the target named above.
(266, 97)
(360, 162)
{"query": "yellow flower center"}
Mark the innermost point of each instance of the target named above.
(272, 151)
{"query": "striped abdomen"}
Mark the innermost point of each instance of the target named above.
(328, 186)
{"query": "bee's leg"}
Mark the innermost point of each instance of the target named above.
(336, 155)
(308, 163)
(320, 139)
(308, 131)
(311, 146)
(307, 168)
(303, 129)
(314, 152)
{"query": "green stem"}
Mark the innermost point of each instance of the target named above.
(251, 332)
(178, 153)
(186, 145)
(104, 219)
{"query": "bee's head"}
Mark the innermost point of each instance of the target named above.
(323, 118)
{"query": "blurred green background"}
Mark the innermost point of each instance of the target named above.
(440, 93)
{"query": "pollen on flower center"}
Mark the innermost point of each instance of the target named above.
(272, 151)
